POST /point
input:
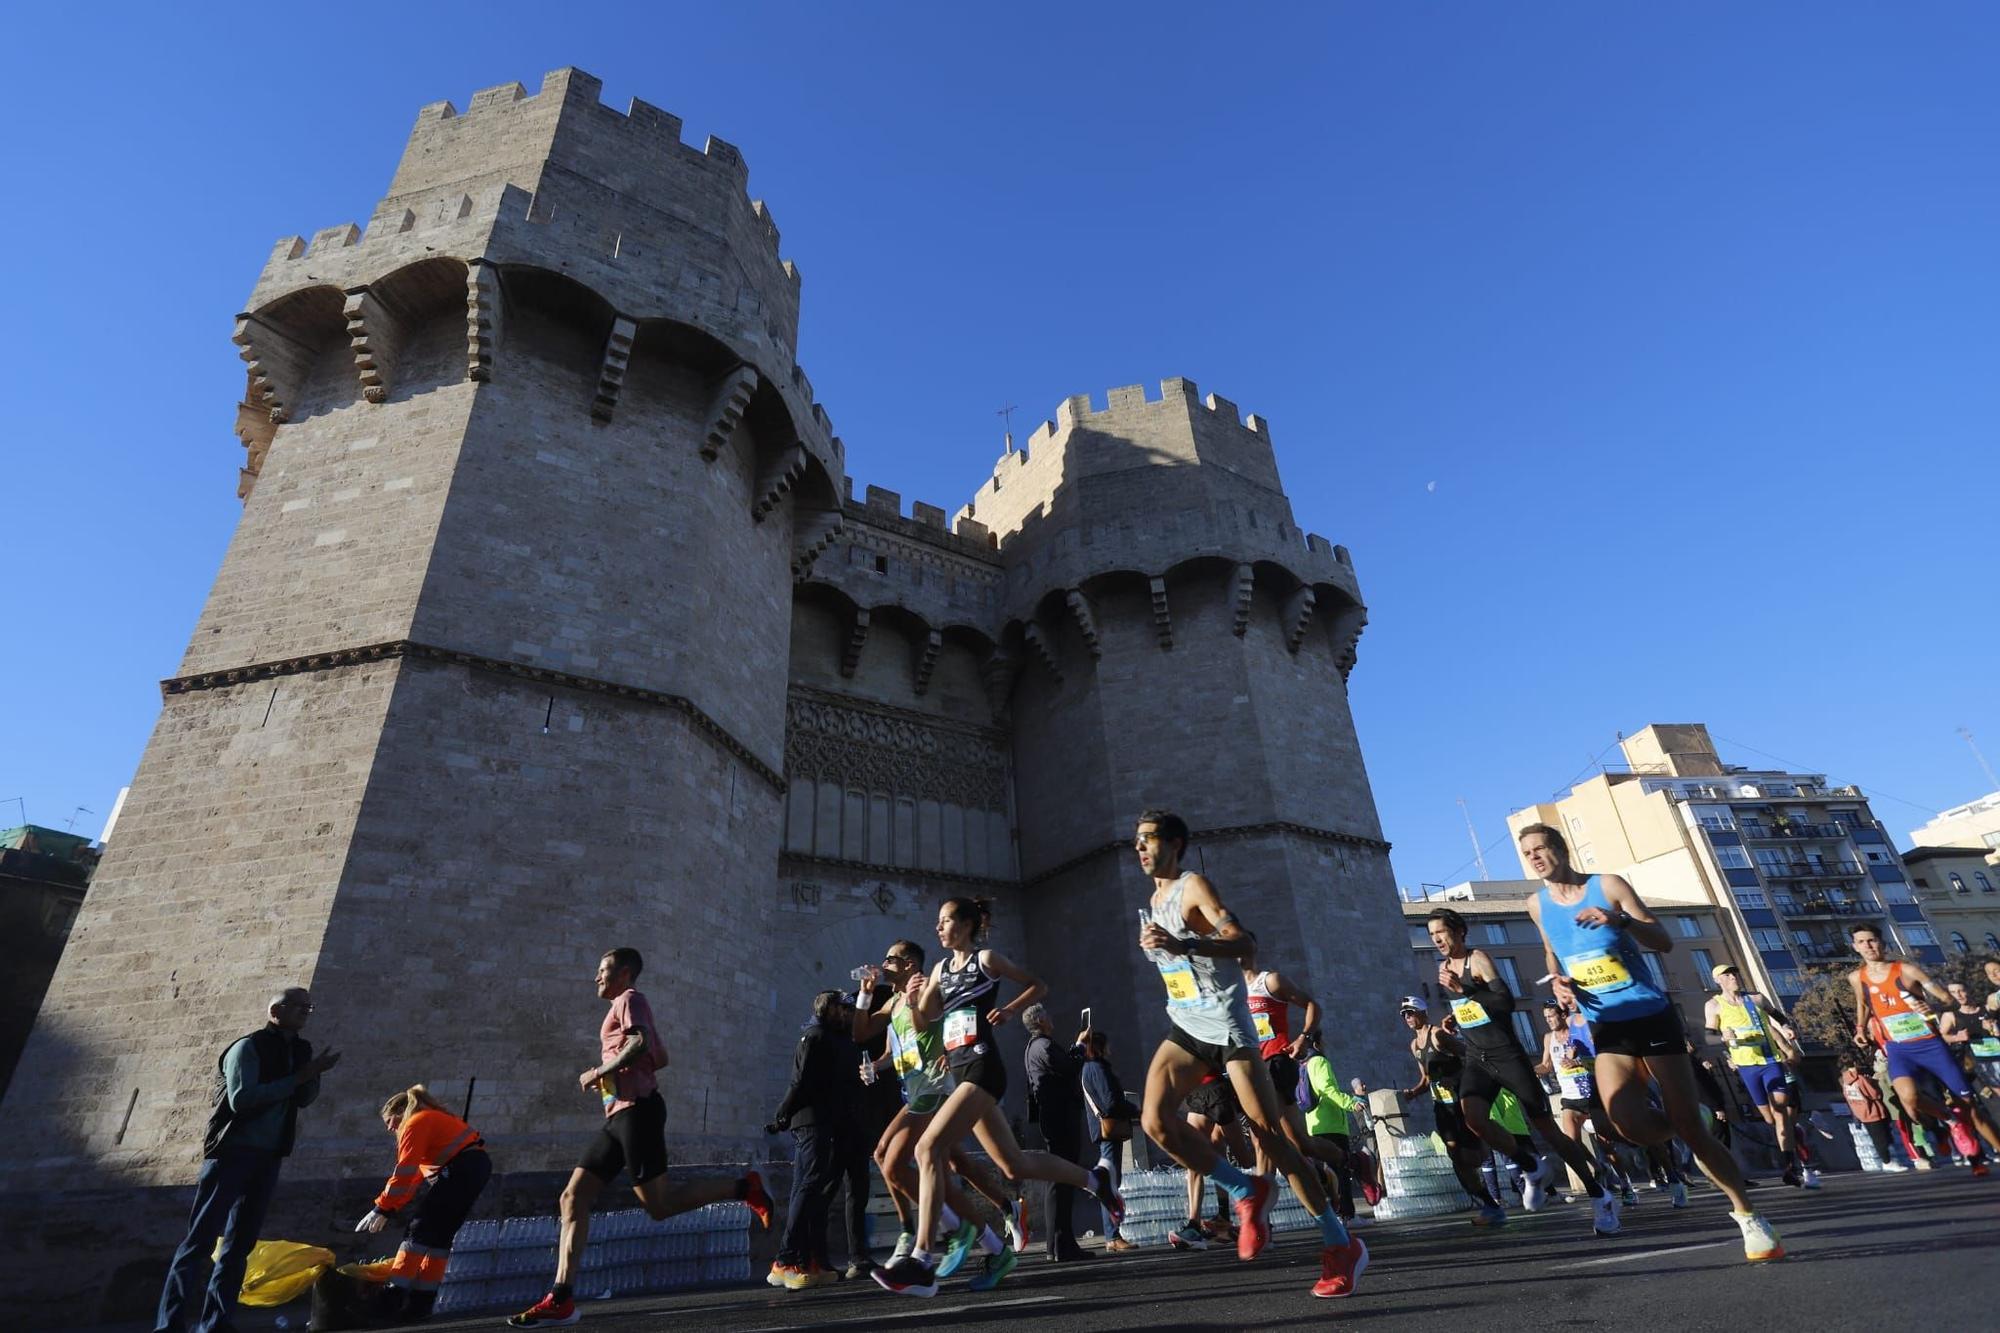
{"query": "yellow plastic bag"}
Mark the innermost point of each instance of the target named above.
(280, 1271)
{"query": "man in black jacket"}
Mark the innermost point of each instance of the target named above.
(1055, 1102)
(820, 1108)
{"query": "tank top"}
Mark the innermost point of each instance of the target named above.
(1442, 1066)
(968, 994)
(916, 1055)
(1271, 1017)
(1984, 1045)
(1743, 1027)
(1481, 1030)
(1900, 1022)
(1197, 1001)
(1612, 983)
(1575, 1065)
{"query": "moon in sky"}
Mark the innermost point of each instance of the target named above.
(1430, 486)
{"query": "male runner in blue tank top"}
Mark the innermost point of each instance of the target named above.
(1594, 932)
(1184, 929)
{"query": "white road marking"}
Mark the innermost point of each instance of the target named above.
(922, 1311)
(1642, 1257)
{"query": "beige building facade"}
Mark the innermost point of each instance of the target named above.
(1960, 891)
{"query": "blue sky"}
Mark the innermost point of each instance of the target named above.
(1689, 312)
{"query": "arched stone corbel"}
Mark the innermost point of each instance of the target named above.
(812, 532)
(375, 336)
(927, 655)
(278, 365)
(1032, 635)
(256, 429)
(857, 637)
(1086, 621)
(611, 369)
(1245, 595)
(778, 476)
(726, 408)
(1163, 621)
(482, 319)
(1298, 615)
(1346, 634)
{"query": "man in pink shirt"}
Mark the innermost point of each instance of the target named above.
(634, 1137)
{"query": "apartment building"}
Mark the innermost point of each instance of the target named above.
(1786, 861)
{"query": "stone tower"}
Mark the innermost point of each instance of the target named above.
(493, 676)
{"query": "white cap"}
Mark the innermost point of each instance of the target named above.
(1412, 1002)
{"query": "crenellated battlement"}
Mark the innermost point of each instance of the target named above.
(927, 521)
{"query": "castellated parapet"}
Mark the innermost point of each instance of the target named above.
(553, 623)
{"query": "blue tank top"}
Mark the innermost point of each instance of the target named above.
(1608, 969)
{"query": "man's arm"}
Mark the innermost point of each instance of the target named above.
(1860, 1008)
(1423, 1074)
(1285, 989)
(240, 1075)
(1483, 983)
(1633, 918)
(1218, 933)
(1916, 974)
(1096, 1088)
(799, 1094)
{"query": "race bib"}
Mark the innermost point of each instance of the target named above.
(908, 1058)
(1443, 1094)
(607, 1091)
(1262, 1022)
(1178, 974)
(1598, 972)
(961, 1029)
(1470, 1013)
(1906, 1027)
(1987, 1048)
(1576, 1085)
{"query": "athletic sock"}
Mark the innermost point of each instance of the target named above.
(1332, 1232)
(924, 1257)
(1231, 1178)
(1526, 1161)
(947, 1218)
(989, 1242)
(559, 1292)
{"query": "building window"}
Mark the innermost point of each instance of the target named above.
(1845, 819)
(1877, 858)
(1653, 969)
(1732, 858)
(1524, 1028)
(1895, 893)
(1783, 902)
(1985, 884)
(1992, 942)
(1494, 932)
(1420, 936)
(1958, 943)
(1768, 941)
(1957, 882)
(1689, 927)
(1745, 898)
(1916, 935)
(1704, 967)
(1787, 981)
(1505, 966)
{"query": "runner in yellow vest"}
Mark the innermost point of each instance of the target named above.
(1748, 1025)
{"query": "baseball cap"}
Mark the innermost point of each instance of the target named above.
(1717, 971)
(1412, 1002)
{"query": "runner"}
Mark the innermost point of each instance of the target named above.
(1270, 997)
(1746, 1022)
(1568, 1055)
(1183, 930)
(916, 1056)
(1211, 1111)
(1482, 1004)
(633, 1139)
(961, 992)
(1893, 996)
(1440, 1059)
(1973, 1036)
(1594, 932)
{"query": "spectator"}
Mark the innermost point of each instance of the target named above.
(1108, 1119)
(1055, 1103)
(262, 1081)
(1327, 1118)
(432, 1145)
(821, 1108)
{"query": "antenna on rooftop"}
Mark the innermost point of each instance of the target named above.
(71, 826)
(1478, 856)
(1006, 414)
(1966, 732)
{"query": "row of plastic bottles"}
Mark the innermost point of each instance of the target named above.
(508, 1261)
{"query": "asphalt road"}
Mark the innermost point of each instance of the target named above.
(1865, 1252)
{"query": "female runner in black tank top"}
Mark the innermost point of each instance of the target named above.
(961, 997)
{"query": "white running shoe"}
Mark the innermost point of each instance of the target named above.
(1760, 1238)
(1811, 1178)
(1604, 1214)
(1894, 1168)
(904, 1244)
(1535, 1185)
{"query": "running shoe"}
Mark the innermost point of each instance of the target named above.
(956, 1247)
(1253, 1218)
(1630, 1198)
(1604, 1214)
(857, 1270)
(1923, 1164)
(1679, 1198)
(1894, 1168)
(779, 1272)
(1488, 1215)
(1760, 1238)
(1535, 1185)
(1217, 1229)
(1119, 1245)
(757, 1199)
(1114, 1207)
(796, 1279)
(1017, 1224)
(1810, 1178)
(1791, 1177)
(907, 1277)
(1340, 1267)
(904, 1244)
(1187, 1236)
(820, 1276)
(547, 1312)
(998, 1266)
(1361, 1165)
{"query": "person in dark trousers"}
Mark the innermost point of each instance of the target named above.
(820, 1108)
(1104, 1100)
(1055, 1104)
(877, 1105)
(261, 1083)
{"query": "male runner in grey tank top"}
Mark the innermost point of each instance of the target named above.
(1184, 931)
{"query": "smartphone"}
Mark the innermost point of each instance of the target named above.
(1086, 1018)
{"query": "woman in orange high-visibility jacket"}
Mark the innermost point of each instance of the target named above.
(435, 1145)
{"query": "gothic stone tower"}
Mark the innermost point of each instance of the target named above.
(494, 673)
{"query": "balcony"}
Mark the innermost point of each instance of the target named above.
(1821, 951)
(1832, 907)
(1791, 832)
(1808, 870)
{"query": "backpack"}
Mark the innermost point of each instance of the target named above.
(1304, 1094)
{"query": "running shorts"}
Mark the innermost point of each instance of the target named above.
(1486, 1072)
(1760, 1081)
(986, 1072)
(1657, 1033)
(1284, 1077)
(1451, 1125)
(1907, 1059)
(634, 1140)
(1581, 1107)
(1215, 1102)
(1217, 1058)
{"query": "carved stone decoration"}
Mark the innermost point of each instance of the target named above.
(278, 365)
(256, 429)
(778, 477)
(857, 635)
(373, 337)
(1246, 587)
(611, 372)
(1346, 634)
(1032, 635)
(927, 656)
(1086, 621)
(732, 398)
(1163, 623)
(812, 533)
(482, 319)
(874, 747)
(1298, 615)
(883, 899)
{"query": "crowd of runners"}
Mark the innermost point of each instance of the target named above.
(904, 1074)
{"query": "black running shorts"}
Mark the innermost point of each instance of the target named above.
(634, 1140)
(1451, 1126)
(1657, 1033)
(1215, 1102)
(1488, 1071)
(986, 1072)
(1284, 1077)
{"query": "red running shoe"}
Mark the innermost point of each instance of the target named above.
(757, 1198)
(1363, 1165)
(1340, 1267)
(547, 1312)
(1253, 1218)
